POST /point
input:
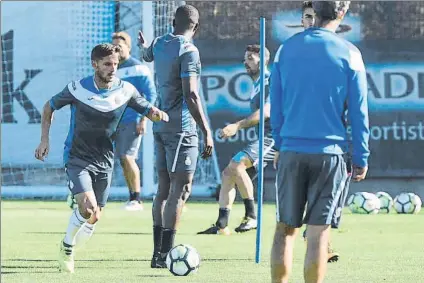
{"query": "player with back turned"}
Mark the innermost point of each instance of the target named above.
(97, 104)
(312, 173)
(177, 66)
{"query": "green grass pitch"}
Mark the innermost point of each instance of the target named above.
(373, 248)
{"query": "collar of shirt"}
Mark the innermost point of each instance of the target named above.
(91, 85)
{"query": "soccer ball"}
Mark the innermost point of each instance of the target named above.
(408, 203)
(386, 202)
(183, 260)
(363, 203)
(70, 201)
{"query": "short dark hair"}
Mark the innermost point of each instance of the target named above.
(186, 16)
(329, 10)
(256, 48)
(102, 50)
(306, 5)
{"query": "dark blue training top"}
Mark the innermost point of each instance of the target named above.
(95, 114)
(255, 102)
(175, 57)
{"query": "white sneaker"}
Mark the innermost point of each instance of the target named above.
(133, 206)
(66, 258)
(247, 224)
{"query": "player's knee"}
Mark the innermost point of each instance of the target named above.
(96, 215)
(285, 230)
(126, 161)
(226, 173)
(317, 233)
(186, 192)
(87, 210)
(230, 171)
(86, 205)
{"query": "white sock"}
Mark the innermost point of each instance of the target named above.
(75, 223)
(84, 234)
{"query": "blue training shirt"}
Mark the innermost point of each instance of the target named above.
(316, 75)
(139, 75)
(175, 57)
(95, 114)
(255, 102)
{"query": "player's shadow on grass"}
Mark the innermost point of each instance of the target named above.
(153, 275)
(101, 233)
(80, 260)
(226, 259)
(124, 233)
(25, 267)
(28, 271)
(124, 259)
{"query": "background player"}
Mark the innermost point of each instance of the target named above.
(177, 66)
(235, 173)
(311, 167)
(132, 125)
(97, 104)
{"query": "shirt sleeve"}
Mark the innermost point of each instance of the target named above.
(147, 53)
(276, 100)
(139, 103)
(190, 61)
(63, 98)
(358, 108)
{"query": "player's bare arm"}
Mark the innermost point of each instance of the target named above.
(140, 104)
(146, 50)
(141, 126)
(194, 103)
(250, 121)
(43, 148)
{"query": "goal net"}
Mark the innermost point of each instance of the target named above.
(61, 36)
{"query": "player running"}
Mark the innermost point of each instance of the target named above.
(177, 66)
(97, 104)
(236, 174)
(133, 124)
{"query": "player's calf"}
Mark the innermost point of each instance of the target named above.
(282, 252)
(333, 256)
(180, 191)
(316, 253)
